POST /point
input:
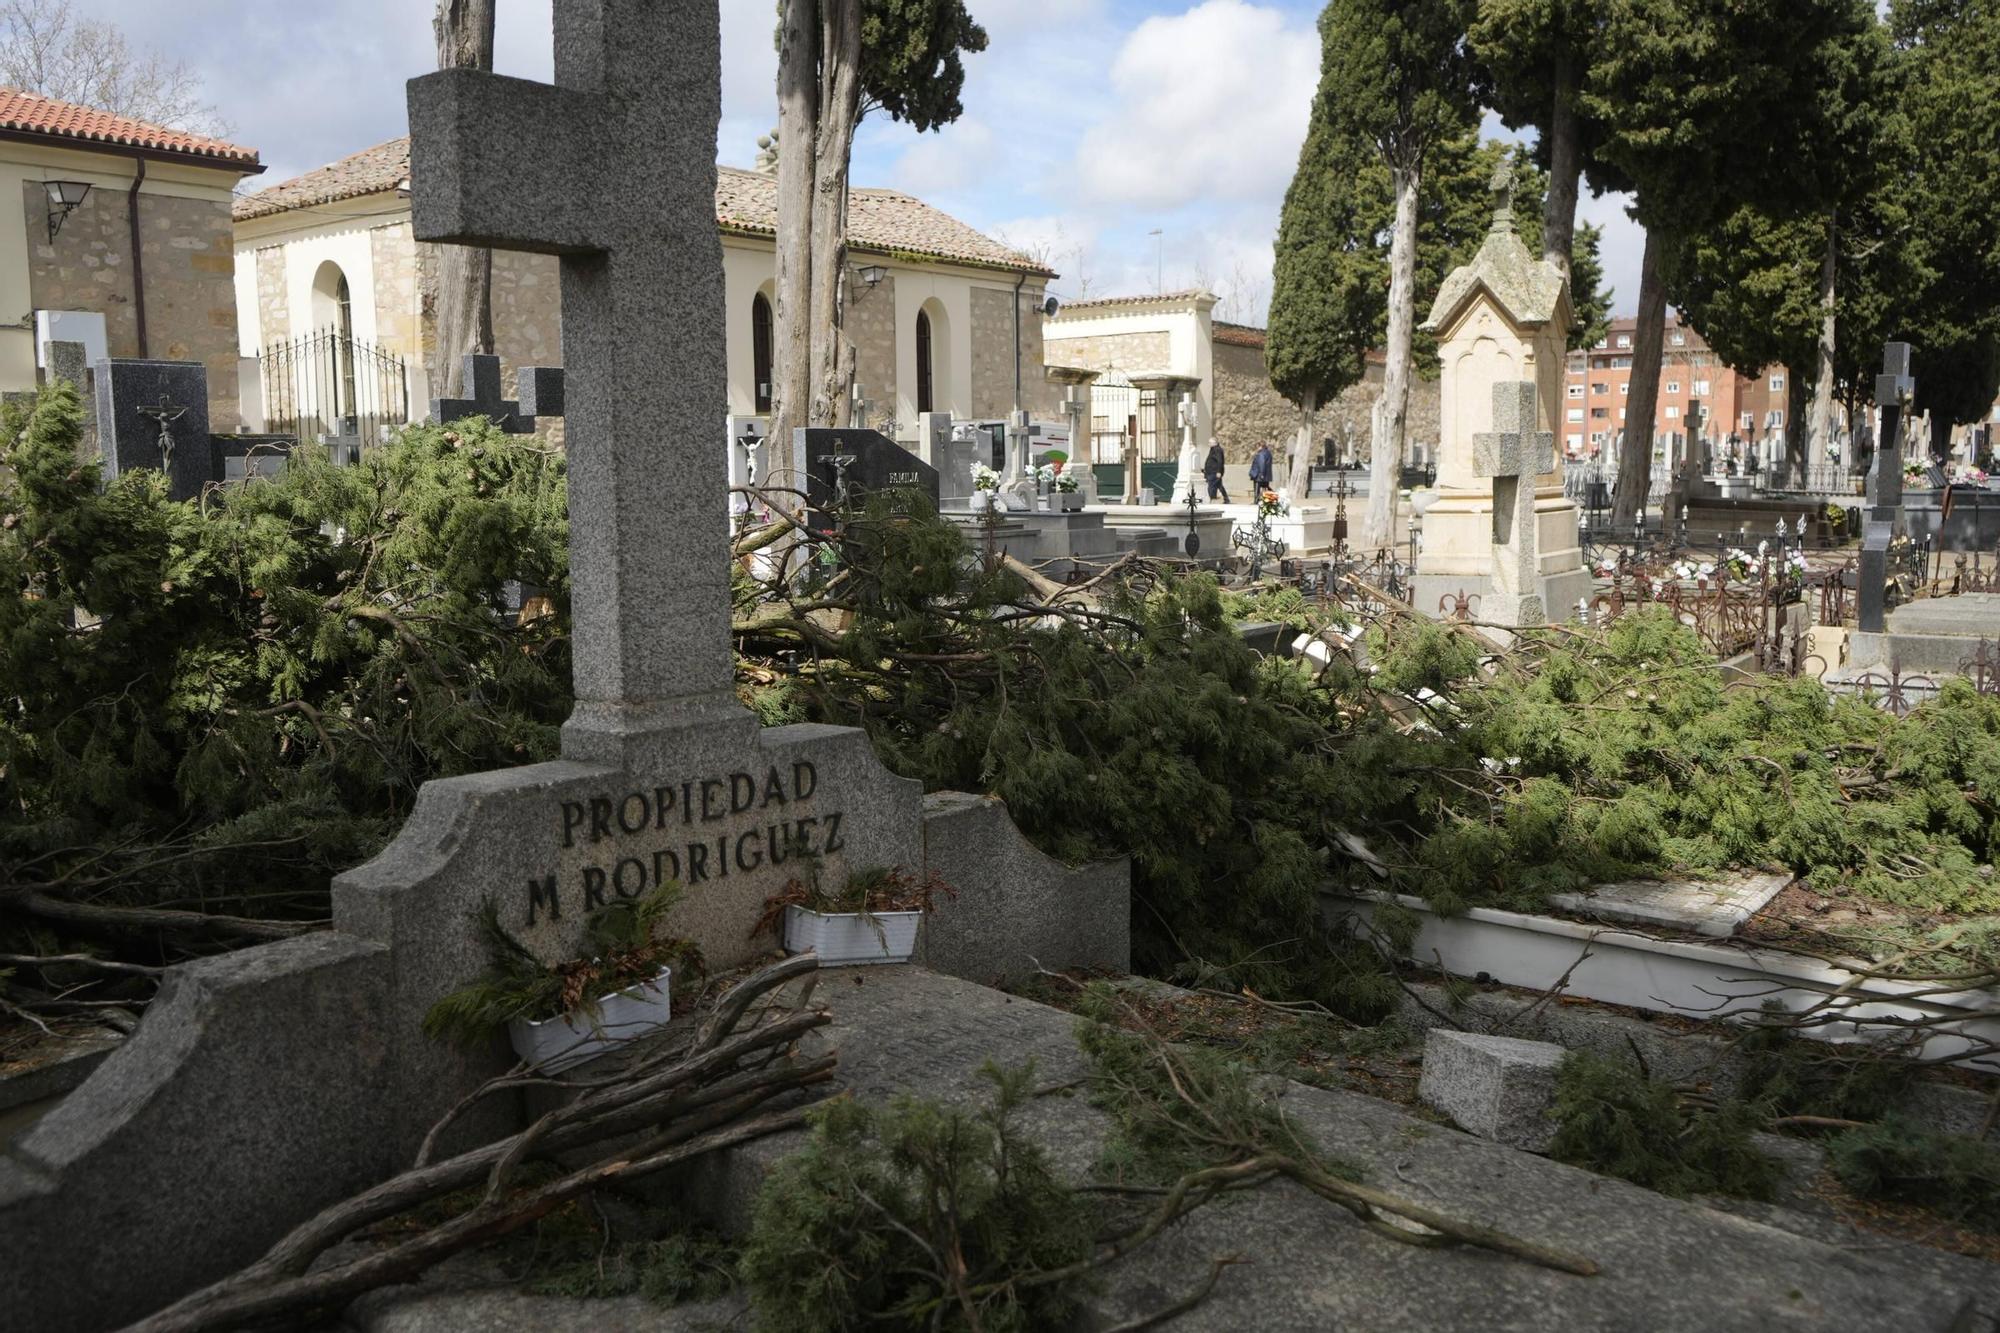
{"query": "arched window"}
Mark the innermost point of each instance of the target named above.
(925, 380)
(761, 349)
(332, 348)
(349, 404)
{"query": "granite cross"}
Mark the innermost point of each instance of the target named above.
(539, 394)
(612, 168)
(1514, 453)
(1893, 390)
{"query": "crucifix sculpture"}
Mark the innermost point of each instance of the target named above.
(164, 414)
(1514, 453)
(612, 169)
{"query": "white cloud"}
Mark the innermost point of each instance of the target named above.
(1212, 103)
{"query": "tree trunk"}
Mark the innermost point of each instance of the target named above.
(1298, 480)
(798, 126)
(1385, 467)
(464, 32)
(1796, 409)
(839, 112)
(1635, 462)
(1565, 169)
(1821, 434)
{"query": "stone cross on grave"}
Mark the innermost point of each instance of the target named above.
(1894, 388)
(539, 394)
(1514, 453)
(612, 169)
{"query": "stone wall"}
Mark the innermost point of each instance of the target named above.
(274, 323)
(1111, 351)
(398, 301)
(1248, 411)
(189, 255)
(993, 355)
(1347, 421)
(527, 310)
(871, 327)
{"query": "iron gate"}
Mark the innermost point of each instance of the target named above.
(326, 384)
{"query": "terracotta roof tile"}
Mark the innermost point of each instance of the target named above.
(370, 171)
(883, 220)
(33, 114)
(747, 201)
(1238, 335)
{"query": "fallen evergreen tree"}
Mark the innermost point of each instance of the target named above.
(261, 681)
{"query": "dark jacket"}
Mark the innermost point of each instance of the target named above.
(1260, 466)
(1212, 466)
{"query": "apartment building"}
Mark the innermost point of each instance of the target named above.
(1598, 387)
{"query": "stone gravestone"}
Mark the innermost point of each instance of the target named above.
(1893, 390)
(539, 392)
(306, 1057)
(1083, 447)
(874, 464)
(154, 414)
(67, 361)
(664, 775)
(1514, 454)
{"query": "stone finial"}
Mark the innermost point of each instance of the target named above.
(1502, 188)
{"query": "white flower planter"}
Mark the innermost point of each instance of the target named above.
(1066, 502)
(555, 1044)
(982, 501)
(850, 939)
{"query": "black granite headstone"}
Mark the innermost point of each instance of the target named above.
(876, 464)
(539, 392)
(154, 414)
(1872, 588)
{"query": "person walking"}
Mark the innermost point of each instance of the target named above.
(1260, 470)
(1211, 468)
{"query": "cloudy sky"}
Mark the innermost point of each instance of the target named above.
(1090, 125)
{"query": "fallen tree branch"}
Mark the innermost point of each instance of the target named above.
(683, 1102)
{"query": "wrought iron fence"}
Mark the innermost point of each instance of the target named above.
(327, 384)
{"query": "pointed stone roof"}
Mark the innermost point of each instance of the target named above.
(1527, 287)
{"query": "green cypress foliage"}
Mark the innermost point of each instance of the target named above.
(255, 685)
(869, 1224)
(1615, 1120)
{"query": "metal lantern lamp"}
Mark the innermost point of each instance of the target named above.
(65, 197)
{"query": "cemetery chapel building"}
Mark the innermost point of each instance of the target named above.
(120, 240)
(336, 301)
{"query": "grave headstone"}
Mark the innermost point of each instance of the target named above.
(154, 414)
(235, 458)
(1893, 389)
(1082, 448)
(538, 392)
(748, 460)
(1885, 521)
(843, 467)
(309, 1053)
(934, 439)
(68, 361)
(1513, 455)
